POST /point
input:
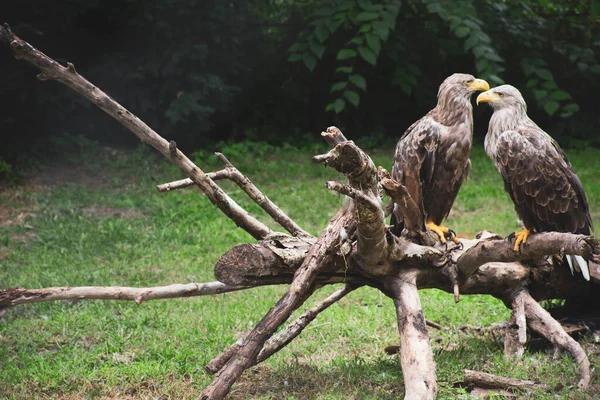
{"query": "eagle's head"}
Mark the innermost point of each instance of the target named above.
(503, 97)
(462, 85)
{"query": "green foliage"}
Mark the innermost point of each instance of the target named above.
(200, 72)
(490, 32)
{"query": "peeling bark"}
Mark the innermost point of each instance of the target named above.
(416, 356)
(515, 335)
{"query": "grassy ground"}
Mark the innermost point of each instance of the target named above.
(96, 219)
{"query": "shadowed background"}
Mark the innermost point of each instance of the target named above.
(281, 71)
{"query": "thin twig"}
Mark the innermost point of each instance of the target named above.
(16, 296)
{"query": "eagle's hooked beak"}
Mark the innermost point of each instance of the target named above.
(479, 85)
(487, 97)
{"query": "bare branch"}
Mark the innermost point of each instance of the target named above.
(283, 338)
(538, 245)
(68, 76)
(333, 136)
(542, 322)
(262, 200)
(16, 296)
(483, 379)
(364, 188)
(412, 216)
(319, 255)
(187, 182)
(232, 173)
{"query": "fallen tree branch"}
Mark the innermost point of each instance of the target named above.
(283, 338)
(318, 256)
(233, 174)
(542, 322)
(538, 245)
(187, 182)
(16, 296)
(485, 380)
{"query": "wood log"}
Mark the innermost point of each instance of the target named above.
(485, 380)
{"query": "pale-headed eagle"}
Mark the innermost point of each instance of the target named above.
(432, 157)
(547, 194)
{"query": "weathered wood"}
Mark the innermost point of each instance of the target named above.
(319, 255)
(16, 296)
(416, 356)
(485, 380)
(284, 337)
(515, 334)
(542, 322)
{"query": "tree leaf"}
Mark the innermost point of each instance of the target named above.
(310, 61)
(346, 5)
(368, 55)
(365, 28)
(338, 86)
(462, 31)
(338, 105)
(296, 57)
(381, 29)
(345, 54)
(560, 95)
(358, 81)
(374, 43)
(572, 107)
(471, 42)
(344, 70)
(317, 48)
(551, 107)
(543, 73)
(298, 47)
(367, 16)
(322, 33)
(352, 97)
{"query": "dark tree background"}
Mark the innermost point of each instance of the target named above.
(203, 71)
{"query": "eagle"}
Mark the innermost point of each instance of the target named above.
(432, 157)
(546, 192)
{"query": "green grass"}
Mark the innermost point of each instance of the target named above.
(97, 219)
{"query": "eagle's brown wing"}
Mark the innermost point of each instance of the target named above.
(414, 161)
(547, 194)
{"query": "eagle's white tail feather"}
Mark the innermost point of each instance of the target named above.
(570, 261)
(585, 269)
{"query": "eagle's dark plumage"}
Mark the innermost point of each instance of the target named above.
(547, 194)
(432, 157)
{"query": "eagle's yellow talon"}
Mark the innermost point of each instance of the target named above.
(521, 237)
(442, 232)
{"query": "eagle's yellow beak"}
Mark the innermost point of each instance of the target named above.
(479, 84)
(487, 97)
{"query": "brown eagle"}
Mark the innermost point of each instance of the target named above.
(547, 193)
(432, 157)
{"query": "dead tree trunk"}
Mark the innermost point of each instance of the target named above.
(355, 248)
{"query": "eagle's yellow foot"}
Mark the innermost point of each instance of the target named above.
(520, 237)
(442, 232)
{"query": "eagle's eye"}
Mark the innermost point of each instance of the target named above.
(501, 94)
(468, 81)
